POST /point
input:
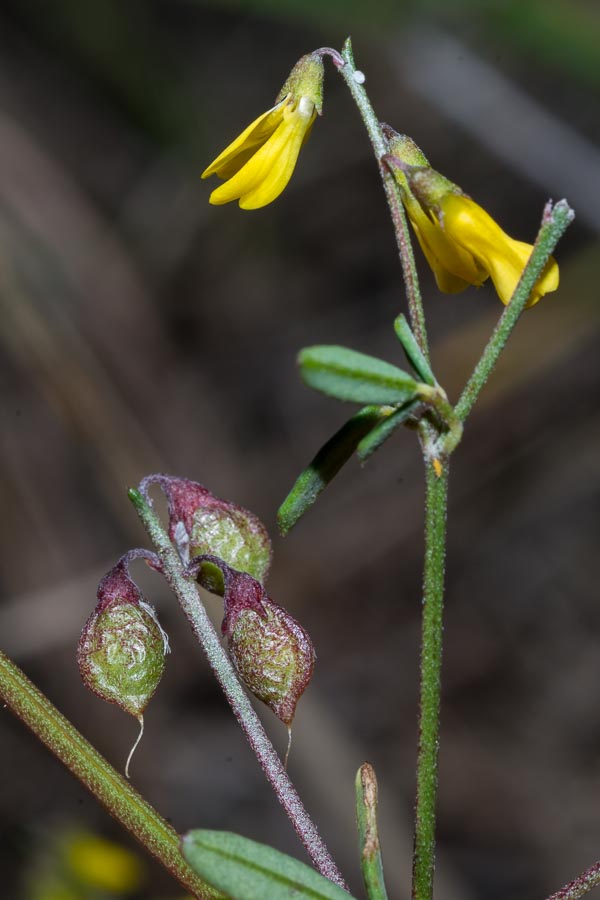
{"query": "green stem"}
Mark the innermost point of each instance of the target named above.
(431, 664)
(392, 192)
(580, 885)
(95, 773)
(555, 221)
(186, 591)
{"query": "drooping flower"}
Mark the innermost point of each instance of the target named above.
(461, 241)
(258, 164)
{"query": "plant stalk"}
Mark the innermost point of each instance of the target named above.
(392, 192)
(368, 837)
(186, 592)
(555, 221)
(98, 776)
(430, 689)
(580, 885)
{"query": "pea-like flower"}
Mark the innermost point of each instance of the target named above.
(460, 240)
(258, 164)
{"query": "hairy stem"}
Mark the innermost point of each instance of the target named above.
(392, 192)
(431, 664)
(580, 885)
(555, 221)
(97, 775)
(186, 592)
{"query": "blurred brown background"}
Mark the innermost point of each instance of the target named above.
(143, 330)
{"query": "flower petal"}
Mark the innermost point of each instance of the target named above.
(268, 171)
(236, 154)
(454, 268)
(501, 256)
(445, 280)
(279, 175)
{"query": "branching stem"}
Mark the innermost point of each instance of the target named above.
(186, 592)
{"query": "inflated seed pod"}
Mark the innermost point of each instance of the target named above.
(200, 523)
(122, 647)
(270, 650)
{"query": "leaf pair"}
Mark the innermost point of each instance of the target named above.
(392, 395)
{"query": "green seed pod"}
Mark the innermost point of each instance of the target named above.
(272, 653)
(200, 523)
(122, 647)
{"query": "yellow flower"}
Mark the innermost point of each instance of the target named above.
(258, 164)
(460, 240)
(464, 246)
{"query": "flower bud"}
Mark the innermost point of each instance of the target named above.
(200, 523)
(270, 650)
(122, 647)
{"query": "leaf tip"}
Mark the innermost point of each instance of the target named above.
(136, 497)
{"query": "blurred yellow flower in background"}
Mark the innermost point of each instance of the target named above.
(259, 163)
(75, 864)
(102, 864)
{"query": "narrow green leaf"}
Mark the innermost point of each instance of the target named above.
(135, 497)
(383, 430)
(246, 870)
(325, 466)
(414, 354)
(368, 837)
(348, 375)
